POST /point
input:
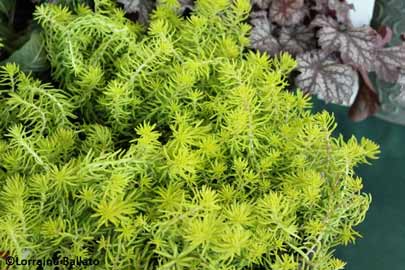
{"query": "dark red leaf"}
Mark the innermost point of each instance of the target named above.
(385, 36)
(367, 102)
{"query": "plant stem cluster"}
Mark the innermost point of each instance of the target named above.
(171, 148)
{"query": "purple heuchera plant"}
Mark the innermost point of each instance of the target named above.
(334, 57)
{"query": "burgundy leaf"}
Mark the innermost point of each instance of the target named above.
(388, 63)
(261, 35)
(297, 39)
(367, 102)
(324, 76)
(355, 44)
(384, 36)
(287, 12)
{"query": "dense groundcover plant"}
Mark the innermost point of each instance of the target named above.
(334, 57)
(173, 148)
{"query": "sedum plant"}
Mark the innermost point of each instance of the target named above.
(170, 148)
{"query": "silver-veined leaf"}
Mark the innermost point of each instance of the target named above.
(388, 63)
(323, 76)
(355, 44)
(261, 35)
(287, 12)
(297, 39)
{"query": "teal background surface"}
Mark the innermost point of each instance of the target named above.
(392, 97)
(383, 244)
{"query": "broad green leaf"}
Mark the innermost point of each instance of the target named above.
(6, 6)
(31, 56)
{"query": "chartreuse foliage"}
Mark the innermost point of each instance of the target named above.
(171, 148)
